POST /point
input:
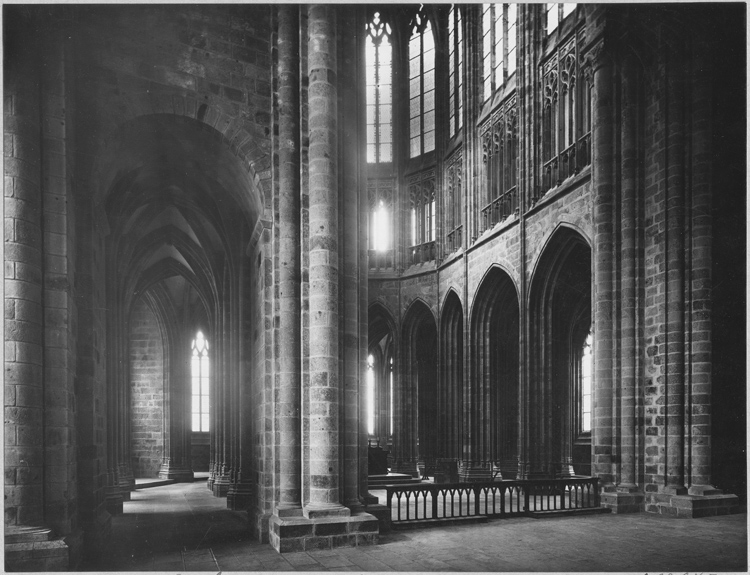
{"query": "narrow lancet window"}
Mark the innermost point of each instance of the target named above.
(199, 370)
(378, 60)
(455, 70)
(498, 45)
(370, 394)
(421, 87)
(586, 368)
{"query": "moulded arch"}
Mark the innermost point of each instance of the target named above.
(553, 248)
(380, 322)
(416, 311)
(158, 141)
(494, 274)
(451, 292)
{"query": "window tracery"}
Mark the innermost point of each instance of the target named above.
(421, 86)
(378, 60)
(199, 374)
(455, 71)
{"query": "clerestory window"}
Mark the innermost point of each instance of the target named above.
(378, 61)
(499, 26)
(199, 372)
(556, 13)
(455, 70)
(421, 86)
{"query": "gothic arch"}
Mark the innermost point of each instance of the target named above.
(492, 418)
(382, 346)
(415, 438)
(561, 229)
(451, 377)
(559, 321)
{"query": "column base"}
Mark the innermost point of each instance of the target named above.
(113, 499)
(382, 514)
(474, 472)
(323, 510)
(369, 499)
(623, 501)
(405, 467)
(36, 549)
(179, 474)
(221, 485)
(288, 534)
(698, 501)
(239, 497)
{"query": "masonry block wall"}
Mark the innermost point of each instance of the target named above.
(148, 143)
(642, 207)
(146, 392)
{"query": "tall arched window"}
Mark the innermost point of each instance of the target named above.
(199, 376)
(498, 45)
(378, 56)
(421, 86)
(370, 395)
(556, 13)
(455, 70)
(586, 368)
(390, 396)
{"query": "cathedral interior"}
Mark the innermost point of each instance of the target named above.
(310, 252)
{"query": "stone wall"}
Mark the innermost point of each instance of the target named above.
(146, 392)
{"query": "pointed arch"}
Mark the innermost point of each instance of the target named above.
(382, 345)
(559, 323)
(451, 388)
(415, 437)
(493, 417)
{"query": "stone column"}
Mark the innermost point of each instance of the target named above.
(629, 350)
(289, 346)
(353, 203)
(603, 298)
(221, 384)
(175, 464)
(700, 282)
(325, 377)
(24, 333)
(240, 496)
(40, 459)
(675, 280)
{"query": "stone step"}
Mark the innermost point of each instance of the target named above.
(391, 479)
(143, 484)
(438, 522)
(27, 534)
(568, 512)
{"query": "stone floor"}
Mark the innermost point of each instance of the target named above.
(182, 527)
